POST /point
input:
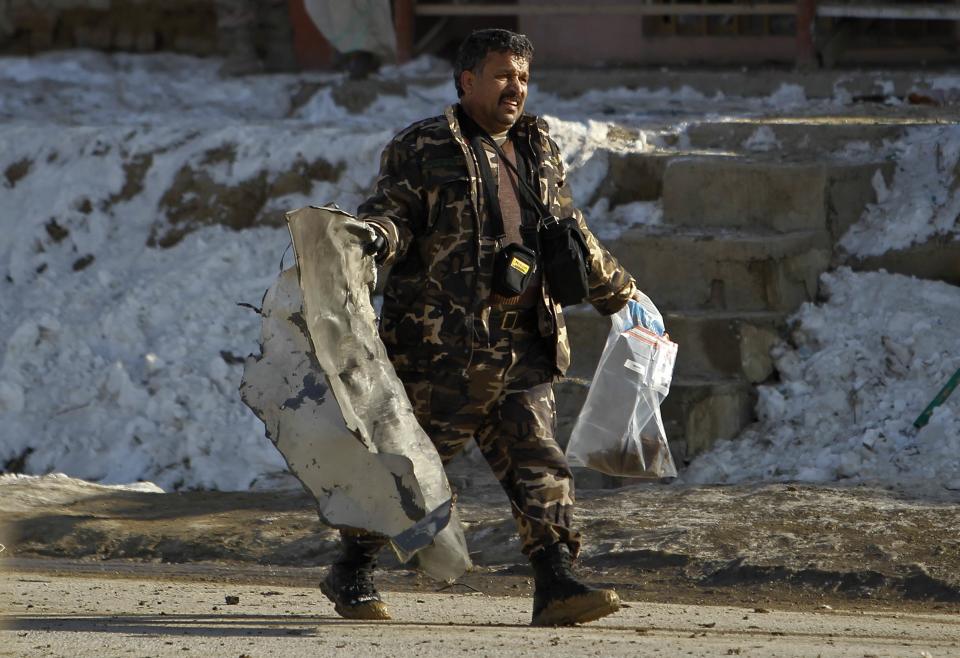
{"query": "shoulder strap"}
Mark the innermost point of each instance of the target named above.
(489, 185)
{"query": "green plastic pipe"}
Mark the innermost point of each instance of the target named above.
(939, 399)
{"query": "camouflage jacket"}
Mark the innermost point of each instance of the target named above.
(429, 202)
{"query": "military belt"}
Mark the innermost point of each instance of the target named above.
(520, 318)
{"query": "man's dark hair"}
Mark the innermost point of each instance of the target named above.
(475, 47)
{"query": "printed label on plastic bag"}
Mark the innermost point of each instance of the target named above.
(636, 367)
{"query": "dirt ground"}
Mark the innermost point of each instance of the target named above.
(786, 545)
(771, 570)
(56, 615)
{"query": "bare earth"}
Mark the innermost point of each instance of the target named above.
(748, 570)
(70, 616)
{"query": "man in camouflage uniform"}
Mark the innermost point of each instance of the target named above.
(478, 366)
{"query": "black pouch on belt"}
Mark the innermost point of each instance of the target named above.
(513, 268)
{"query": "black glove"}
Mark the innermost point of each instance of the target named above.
(377, 248)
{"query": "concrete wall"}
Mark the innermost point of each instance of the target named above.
(31, 26)
(594, 40)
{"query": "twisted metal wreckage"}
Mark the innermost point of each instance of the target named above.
(360, 451)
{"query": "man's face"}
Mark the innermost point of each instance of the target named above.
(494, 93)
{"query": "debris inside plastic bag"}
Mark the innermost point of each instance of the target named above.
(628, 461)
(620, 430)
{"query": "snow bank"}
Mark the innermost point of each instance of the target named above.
(922, 201)
(859, 370)
(92, 88)
(62, 480)
(121, 361)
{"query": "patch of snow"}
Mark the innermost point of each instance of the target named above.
(762, 139)
(609, 224)
(857, 151)
(137, 377)
(841, 95)
(582, 145)
(860, 370)
(922, 201)
(61, 479)
(419, 67)
(787, 96)
(885, 87)
(85, 87)
(944, 82)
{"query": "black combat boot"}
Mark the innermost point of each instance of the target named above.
(349, 584)
(560, 599)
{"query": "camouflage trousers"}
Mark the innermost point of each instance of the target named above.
(504, 402)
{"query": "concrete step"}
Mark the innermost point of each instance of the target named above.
(937, 258)
(801, 134)
(697, 413)
(736, 192)
(733, 345)
(712, 343)
(752, 82)
(633, 177)
(724, 270)
(587, 331)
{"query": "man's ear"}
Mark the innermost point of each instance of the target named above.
(467, 78)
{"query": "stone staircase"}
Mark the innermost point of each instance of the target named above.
(743, 241)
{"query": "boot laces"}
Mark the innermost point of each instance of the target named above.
(363, 581)
(563, 567)
(557, 563)
(355, 580)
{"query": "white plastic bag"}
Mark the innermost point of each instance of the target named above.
(619, 430)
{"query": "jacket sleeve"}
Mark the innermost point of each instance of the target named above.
(396, 207)
(610, 284)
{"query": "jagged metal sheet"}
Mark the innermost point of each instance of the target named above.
(334, 407)
(288, 390)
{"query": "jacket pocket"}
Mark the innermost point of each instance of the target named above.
(448, 199)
